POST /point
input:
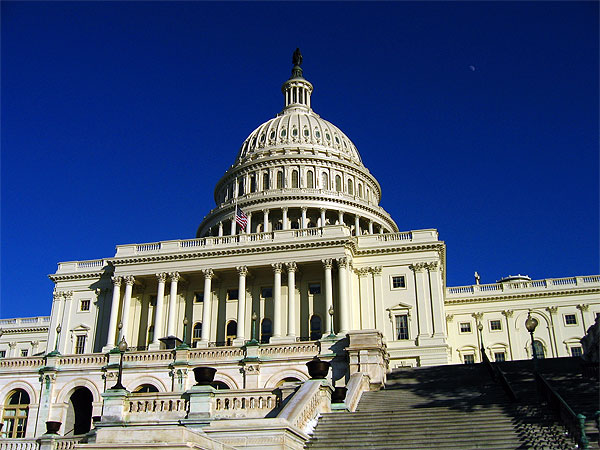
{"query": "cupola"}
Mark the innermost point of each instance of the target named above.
(297, 90)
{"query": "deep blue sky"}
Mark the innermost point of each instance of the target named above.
(119, 118)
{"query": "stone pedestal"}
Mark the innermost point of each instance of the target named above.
(367, 353)
(200, 402)
(114, 405)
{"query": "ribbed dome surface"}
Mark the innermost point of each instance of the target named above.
(298, 127)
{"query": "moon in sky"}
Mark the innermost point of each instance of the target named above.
(472, 68)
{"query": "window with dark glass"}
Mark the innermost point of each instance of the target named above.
(85, 305)
(199, 297)
(232, 294)
(294, 178)
(465, 327)
(266, 330)
(495, 325)
(316, 331)
(576, 351)
(469, 359)
(197, 331)
(398, 282)
(338, 183)
(80, 344)
(314, 288)
(24, 352)
(570, 319)
(499, 356)
(402, 327)
(266, 292)
(265, 181)
(230, 332)
(16, 410)
(310, 181)
(538, 348)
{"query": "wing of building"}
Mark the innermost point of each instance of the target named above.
(297, 260)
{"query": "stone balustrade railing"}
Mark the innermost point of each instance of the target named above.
(244, 403)
(306, 349)
(522, 285)
(155, 406)
(312, 399)
(66, 443)
(43, 321)
(216, 353)
(16, 363)
(19, 444)
(377, 240)
(93, 359)
(92, 265)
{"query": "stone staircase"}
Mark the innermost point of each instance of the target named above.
(443, 407)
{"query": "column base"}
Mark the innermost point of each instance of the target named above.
(201, 344)
(154, 346)
(282, 339)
(107, 348)
(239, 341)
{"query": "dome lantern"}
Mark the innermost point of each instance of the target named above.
(297, 90)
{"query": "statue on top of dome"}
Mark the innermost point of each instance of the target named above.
(297, 58)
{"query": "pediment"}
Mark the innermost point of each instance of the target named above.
(400, 307)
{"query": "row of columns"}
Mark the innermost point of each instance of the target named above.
(291, 268)
(303, 222)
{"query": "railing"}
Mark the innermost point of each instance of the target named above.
(312, 399)
(13, 323)
(158, 355)
(216, 353)
(498, 376)
(147, 247)
(304, 349)
(512, 286)
(19, 444)
(155, 406)
(82, 266)
(66, 443)
(247, 403)
(575, 423)
(30, 361)
(83, 360)
(90, 264)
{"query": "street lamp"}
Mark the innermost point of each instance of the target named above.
(122, 347)
(531, 323)
(253, 341)
(184, 345)
(482, 348)
(55, 352)
(330, 311)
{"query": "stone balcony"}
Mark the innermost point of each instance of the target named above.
(522, 286)
(25, 322)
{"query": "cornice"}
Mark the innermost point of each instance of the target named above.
(23, 330)
(520, 296)
(76, 276)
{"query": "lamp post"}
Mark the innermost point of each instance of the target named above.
(332, 333)
(253, 341)
(122, 347)
(531, 323)
(183, 344)
(55, 352)
(481, 347)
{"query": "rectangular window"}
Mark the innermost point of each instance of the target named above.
(266, 292)
(469, 359)
(2, 353)
(153, 300)
(80, 345)
(398, 282)
(84, 305)
(232, 294)
(499, 356)
(24, 352)
(495, 325)
(576, 351)
(570, 319)
(402, 327)
(198, 297)
(314, 288)
(465, 327)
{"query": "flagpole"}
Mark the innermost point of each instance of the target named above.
(235, 211)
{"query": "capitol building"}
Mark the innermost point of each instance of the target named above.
(296, 261)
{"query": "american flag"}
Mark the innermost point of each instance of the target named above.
(241, 217)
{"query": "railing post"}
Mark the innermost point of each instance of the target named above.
(584, 443)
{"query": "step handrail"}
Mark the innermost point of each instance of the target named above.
(498, 376)
(575, 423)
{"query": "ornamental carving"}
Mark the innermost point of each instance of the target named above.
(449, 317)
(327, 263)
(277, 267)
(363, 272)
(433, 266)
(583, 307)
(418, 267)
(68, 295)
(242, 270)
(376, 270)
(508, 313)
(208, 274)
(175, 277)
(552, 309)
(251, 369)
(129, 280)
(161, 277)
(57, 295)
(116, 280)
(343, 262)
(291, 266)
(477, 315)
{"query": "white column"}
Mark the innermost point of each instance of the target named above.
(172, 302)
(276, 299)
(233, 225)
(327, 264)
(344, 305)
(291, 270)
(206, 305)
(160, 310)
(114, 315)
(437, 300)
(380, 229)
(323, 210)
(220, 228)
(62, 347)
(248, 225)
(423, 314)
(241, 310)
(284, 212)
(341, 217)
(129, 280)
(370, 227)
(378, 297)
(357, 225)
(303, 223)
(265, 220)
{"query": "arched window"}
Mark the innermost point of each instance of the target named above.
(360, 190)
(219, 385)
(538, 348)
(350, 187)
(265, 181)
(310, 181)
(324, 181)
(266, 330)
(145, 388)
(294, 178)
(287, 380)
(279, 180)
(197, 332)
(230, 332)
(338, 183)
(315, 328)
(79, 412)
(16, 410)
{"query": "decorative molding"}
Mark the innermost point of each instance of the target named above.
(524, 296)
(161, 277)
(129, 280)
(327, 263)
(449, 317)
(583, 307)
(242, 270)
(277, 267)
(291, 266)
(208, 273)
(552, 309)
(508, 313)
(418, 267)
(174, 277)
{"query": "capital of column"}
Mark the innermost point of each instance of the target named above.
(304, 208)
(291, 266)
(583, 307)
(174, 276)
(509, 313)
(327, 263)
(363, 272)
(67, 295)
(116, 280)
(284, 209)
(129, 280)
(376, 270)
(432, 266)
(12, 344)
(266, 211)
(277, 267)
(162, 277)
(242, 270)
(343, 262)
(477, 315)
(418, 267)
(57, 295)
(208, 274)
(323, 210)
(449, 317)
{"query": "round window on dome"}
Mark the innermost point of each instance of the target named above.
(272, 135)
(306, 133)
(262, 138)
(283, 133)
(337, 141)
(327, 136)
(295, 132)
(317, 133)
